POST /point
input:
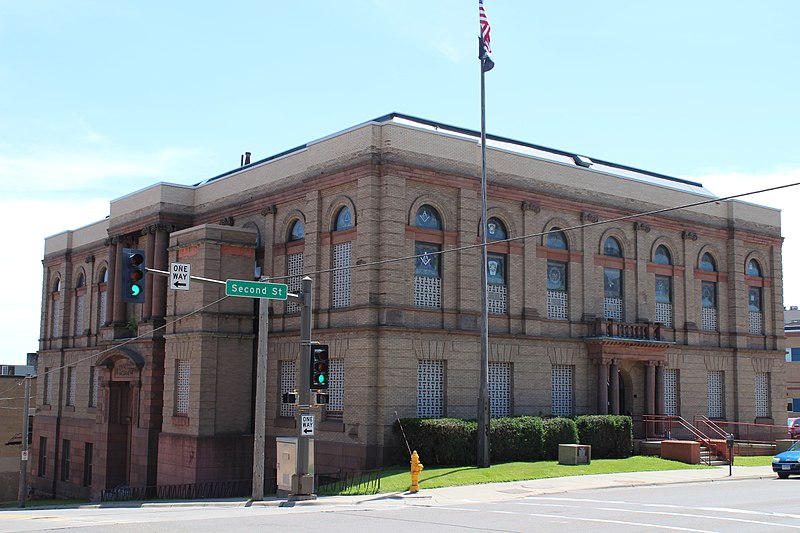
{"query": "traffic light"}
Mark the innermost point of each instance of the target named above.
(319, 366)
(133, 276)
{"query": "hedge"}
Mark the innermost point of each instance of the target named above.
(452, 441)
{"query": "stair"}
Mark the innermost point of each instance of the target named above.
(707, 457)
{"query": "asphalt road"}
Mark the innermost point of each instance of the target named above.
(767, 505)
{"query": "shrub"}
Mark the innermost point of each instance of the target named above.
(439, 441)
(516, 439)
(558, 431)
(610, 436)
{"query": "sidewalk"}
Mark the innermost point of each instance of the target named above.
(520, 489)
(487, 492)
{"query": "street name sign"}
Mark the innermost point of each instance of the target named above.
(179, 276)
(256, 289)
(307, 425)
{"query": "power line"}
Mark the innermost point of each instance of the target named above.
(440, 252)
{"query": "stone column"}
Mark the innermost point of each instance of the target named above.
(649, 388)
(150, 280)
(602, 387)
(118, 315)
(613, 379)
(660, 390)
(111, 283)
(160, 262)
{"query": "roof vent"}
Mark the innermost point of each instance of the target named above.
(582, 161)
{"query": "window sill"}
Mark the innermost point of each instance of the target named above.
(180, 420)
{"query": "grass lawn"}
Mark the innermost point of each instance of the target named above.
(398, 480)
(755, 460)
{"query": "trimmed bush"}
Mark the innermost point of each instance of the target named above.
(610, 436)
(440, 441)
(558, 431)
(516, 439)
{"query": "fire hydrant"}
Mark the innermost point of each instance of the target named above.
(416, 468)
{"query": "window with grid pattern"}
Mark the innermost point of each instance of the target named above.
(561, 381)
(55, 315)
(79, 312)
(430, 389)
(287, 385)
(755, 323)
(500, 389)
(762, 394)
(427, 275)
(715, 394)
(612, 291)
(182, 387)
(497, 299)
(48, 386)
(336, 387)
(427, 291)
(93, 386)
(103, 306)
(342, 254)
(294, 270)
(557, 308)
(72, 382)
(708, 298)
(671, 392)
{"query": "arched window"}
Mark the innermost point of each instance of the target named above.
(80, 305)
(753, 268)
(57, 285)
(612, 282)
(557, 296)
(496, 271)
(662, 256)
(707, 263)
(495, 230)
(428, 217)
(557, 239)
(612, 248)
(344, 219)
(80, 282)
(103, 277)
(342, 259)
(102, 300)
(708, 294)
(663, 288)
(754, 306)
(427, 271)
(297, 231)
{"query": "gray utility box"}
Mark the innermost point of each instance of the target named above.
(287, 467)
(574, 454)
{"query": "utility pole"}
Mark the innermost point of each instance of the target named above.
(260, 429)
(303, 487)
(23, 463)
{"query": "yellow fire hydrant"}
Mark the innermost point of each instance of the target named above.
(416, 468)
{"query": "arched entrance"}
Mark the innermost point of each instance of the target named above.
(121, 392)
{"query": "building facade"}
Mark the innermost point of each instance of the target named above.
(12, 402)
(792, 331)
(671, 312)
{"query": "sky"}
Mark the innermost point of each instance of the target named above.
(99, 99)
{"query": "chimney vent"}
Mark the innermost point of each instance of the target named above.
(247, 158)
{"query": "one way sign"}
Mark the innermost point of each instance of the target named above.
(179, 276)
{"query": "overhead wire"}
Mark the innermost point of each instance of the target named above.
(439, 252)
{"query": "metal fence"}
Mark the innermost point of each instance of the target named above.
(361, 482)
(185, 491)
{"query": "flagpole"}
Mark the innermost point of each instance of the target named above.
(483, 389)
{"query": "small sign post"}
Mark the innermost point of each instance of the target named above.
(179, 276)
(307, 425)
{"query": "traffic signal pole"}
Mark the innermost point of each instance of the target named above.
(303, 486)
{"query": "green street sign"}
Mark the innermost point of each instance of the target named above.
(256, 289)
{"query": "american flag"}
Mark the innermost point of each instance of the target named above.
(485, 29)
(484, 40)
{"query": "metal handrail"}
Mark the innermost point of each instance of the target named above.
(680, 421)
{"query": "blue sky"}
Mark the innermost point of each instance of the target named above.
(98, 99)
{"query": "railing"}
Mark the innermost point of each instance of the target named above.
(367, 482)
(675, 427)
(185, 491)
(747, 432)
(604, 327)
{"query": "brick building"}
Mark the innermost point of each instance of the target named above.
(12, 400)
(678, 312)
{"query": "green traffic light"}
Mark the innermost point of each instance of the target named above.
(135, 290)
(321, 379)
